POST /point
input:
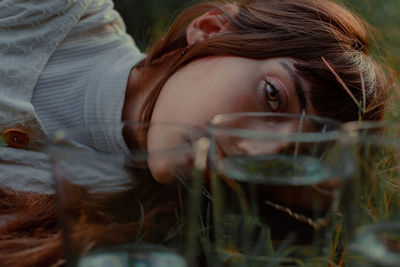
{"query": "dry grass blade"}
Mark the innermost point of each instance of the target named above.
(371, 105)
(342, 82)
(382, 103)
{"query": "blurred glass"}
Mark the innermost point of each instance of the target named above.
(112, 211)
(372, 217)
(276, 182)
(376, 244)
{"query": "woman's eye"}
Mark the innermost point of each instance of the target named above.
(272, 96)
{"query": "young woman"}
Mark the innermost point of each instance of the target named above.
(68, 63)
(71, 63)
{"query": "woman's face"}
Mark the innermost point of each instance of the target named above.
(216, 85)
(211, 86)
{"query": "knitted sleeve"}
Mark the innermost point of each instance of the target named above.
(30, 30)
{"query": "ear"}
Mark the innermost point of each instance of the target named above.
(208, 25)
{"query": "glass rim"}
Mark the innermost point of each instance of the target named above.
(352, 129)
(260, 135)
(366, 125)
(196, 132)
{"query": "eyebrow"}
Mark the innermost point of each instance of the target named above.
(301, 95)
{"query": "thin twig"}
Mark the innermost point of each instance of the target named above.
(342, 83)
(382, 103)
(316, 224)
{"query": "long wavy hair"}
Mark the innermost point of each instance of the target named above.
(31, 228)
(330, 44)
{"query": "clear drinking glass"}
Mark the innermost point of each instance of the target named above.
(275, 184)
(372, 217)
(113, 212)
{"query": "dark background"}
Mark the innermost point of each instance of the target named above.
(147, 19)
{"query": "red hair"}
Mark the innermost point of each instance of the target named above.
(30, 235)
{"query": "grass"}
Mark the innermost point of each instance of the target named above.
(231, 234)
(373, 197)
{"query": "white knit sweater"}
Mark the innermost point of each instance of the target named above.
(85, 79)
(63, 63)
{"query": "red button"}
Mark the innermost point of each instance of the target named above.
(15, 138)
